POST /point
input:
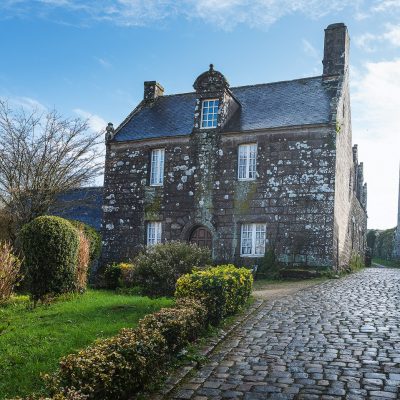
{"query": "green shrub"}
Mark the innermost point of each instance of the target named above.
(70, 394)
(113, 368)
(356, 263)
(158, 268)
(120, 275)
(269, 267)
(179, 325)
(50, 246)
(93, 236)
(223, 289)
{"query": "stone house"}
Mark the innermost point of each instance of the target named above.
(241, 169)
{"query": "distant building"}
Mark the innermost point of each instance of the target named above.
(82, 204)
(241, 169)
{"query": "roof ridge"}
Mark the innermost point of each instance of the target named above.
(245, 86)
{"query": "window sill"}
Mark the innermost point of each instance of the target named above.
(156, 184)
(252, 255)
(247, 179)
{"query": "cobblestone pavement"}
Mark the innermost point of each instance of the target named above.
(337, 340)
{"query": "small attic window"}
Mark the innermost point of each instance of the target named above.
(209, 113)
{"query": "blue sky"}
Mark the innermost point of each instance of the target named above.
(89, 58)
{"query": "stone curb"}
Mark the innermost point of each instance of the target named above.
(178, 376)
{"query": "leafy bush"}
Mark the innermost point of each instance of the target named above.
(9, 271)
(223, 289)
(159, 266)
(83, 260)
(113, 368)
(92, 235)
(179, 325)
(50, 246)
(120, 275)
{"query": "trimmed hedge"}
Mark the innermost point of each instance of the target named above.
(120, 366)
(223, 289)
(50, 246)
(179, 325)
(298, 273)
(158, 268)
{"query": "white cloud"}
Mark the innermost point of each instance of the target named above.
(27, 103)
(376, 128)
(96, 123)
(369, 42)
(385, 5)
(224, 13)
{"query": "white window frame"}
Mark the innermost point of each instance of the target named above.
(247, 162)
(253, 238)
(157, 167)
(154, 231)
(205, 104)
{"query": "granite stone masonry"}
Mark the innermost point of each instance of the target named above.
(337, 340)
(241, 169)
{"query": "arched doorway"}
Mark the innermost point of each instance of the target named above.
(202, 237)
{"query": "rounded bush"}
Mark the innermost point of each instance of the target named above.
(50, 246)
(223, 289)
(158, 268)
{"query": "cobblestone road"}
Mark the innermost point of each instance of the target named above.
(338, 340)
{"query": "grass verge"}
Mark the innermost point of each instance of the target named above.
(33, 340)
(387, 263)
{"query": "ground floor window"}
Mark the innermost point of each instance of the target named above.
(153, 233)
(253, 240)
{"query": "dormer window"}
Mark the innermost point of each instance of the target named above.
(209, 113)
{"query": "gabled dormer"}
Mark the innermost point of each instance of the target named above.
(215, 103)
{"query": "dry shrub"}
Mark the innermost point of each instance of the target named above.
(9, 270)
(82, 262)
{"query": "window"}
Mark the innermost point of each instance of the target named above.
(157, 167)
(209, 113)
(247, 161)
(253, 240)
(153, 233)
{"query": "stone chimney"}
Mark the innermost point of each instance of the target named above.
(152, 90)
(336, 50)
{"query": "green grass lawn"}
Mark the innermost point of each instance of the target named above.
(387, 263)
(33, 341)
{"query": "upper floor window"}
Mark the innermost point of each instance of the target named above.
(157, 167)
(209, 113)
(253, 240)
(153, 233)
(247, 161)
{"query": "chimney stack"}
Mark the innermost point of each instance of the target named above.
(336, 50)
(152, 90)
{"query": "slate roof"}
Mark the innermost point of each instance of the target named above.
(271, 105)
(81, 204)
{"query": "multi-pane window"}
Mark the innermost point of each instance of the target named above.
(209, 113)
(153, 233)
(253, 240)
(247, 161)
(157, 167)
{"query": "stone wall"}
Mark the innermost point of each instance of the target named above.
(293, 194)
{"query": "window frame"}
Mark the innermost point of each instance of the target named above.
(254, 229)
(202, 114)
(158, 173)
(247, 159)
(152, 240)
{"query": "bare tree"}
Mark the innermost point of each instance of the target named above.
(41, 156)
